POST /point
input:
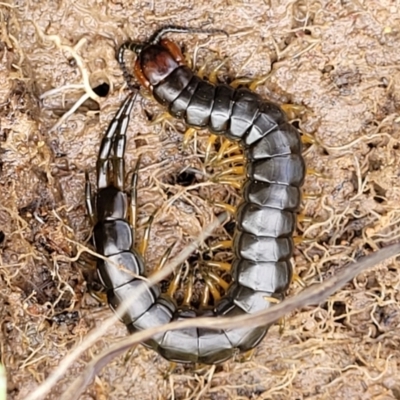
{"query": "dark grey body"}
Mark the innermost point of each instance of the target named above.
(266, 219)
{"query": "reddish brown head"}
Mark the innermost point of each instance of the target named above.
(156, 61)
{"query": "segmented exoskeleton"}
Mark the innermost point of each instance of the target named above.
(120, 271)
(265, 220)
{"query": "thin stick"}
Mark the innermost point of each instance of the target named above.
(312, 295)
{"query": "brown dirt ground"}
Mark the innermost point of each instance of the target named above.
(340, 59)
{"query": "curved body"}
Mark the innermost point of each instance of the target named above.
(265, 220)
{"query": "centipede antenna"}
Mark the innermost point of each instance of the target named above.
(136, 48)
(157, 36)
(128, 45)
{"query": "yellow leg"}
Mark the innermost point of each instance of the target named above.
(205, 299)
(240, 82)
(252, 83)
(219, 264)
(213, 290)
(293, 110)
(210, 144)
(172, 366)
(296, 278)
(247, 356)
(146, 94)
(282, 324)
(223, 147)
(189, 291)
(217, 279)
(129, 354)
(213, 78)
(303, 218)
(164, 259)
(225, 206)
(189, 61)
(190, 132)
(226, 144)
(161, 118)
(202, 70)
(224, 244)
(311, 171)
(259, 81)
(307, 139)
(173, 286)
(145, 241)
(236, 159)
(101, 297)
(299, 239)
(272, 300)
(232, 170)
(310, 196)
(213, 75)
(235, 183)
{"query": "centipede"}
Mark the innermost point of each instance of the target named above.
(265, 219)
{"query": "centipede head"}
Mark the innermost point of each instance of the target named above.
(156, 61)
(158, 57)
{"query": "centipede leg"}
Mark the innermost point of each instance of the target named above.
(224, 266)
(314, 172)
(213, 76)
(310, 196)
(304, 218)
(296, 278)
(227, 207)
(282, 325)
(235, 159)
(210, 143)
(217, 279)
(161, 118)
(235, 183)
(272, 300)
(142, 248)
(247, 356)
(252, 83)
(172, 366)
(99, 296)
(299, 239)
(240, 82)
(205, 298)
(188, 290)
(292, 110)
(188, 136)
(164, 259)
(222, 151)
(231, 171)
(233, 176)
(307, 138)
(212, 288)
(174, 284)
(223, 244)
